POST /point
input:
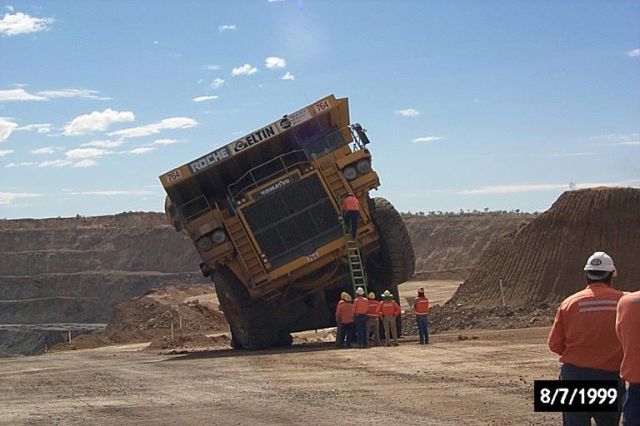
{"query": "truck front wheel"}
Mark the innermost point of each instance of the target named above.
(252, 322)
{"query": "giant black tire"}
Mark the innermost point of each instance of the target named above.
(253, 323)
(395, 262)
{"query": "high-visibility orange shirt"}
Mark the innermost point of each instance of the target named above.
(344, 313)
(388, 308)
(361, 305)
(628, 330)
(421, 306)
(373, 308)
(583, 333)
(350, 204)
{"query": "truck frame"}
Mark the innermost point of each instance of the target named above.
(263, 212)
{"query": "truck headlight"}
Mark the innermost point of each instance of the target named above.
(219, 236)
(204, 243)
(350, 172)
(363, 166)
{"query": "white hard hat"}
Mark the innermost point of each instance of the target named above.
(601, 262)
(359, 291)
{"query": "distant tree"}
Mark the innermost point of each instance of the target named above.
(486, 209)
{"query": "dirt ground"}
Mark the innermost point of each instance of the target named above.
(486, 379)
(465, 377)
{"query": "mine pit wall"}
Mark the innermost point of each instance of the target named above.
(542, 262)
(77, 269)
(448, 246)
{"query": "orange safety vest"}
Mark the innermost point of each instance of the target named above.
(584, 331)
(421, 306)
(388, 308)
(344, 313)
(373, 308)
(361, 305)
(351, 204)
(628, 330)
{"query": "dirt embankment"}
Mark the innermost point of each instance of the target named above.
(447, 247)
(541, 262)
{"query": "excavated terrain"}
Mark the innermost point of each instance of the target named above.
(541, 262)
(448, 246)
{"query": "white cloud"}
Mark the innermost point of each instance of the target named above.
(6, 128)
(85, 163)
(5, 152)
(150, 129)
(275, 1)
(72, 93)
(96, 121)
(288, 76)
(633, 53)
(19, 94)
(45, 150)
(211, 67)
(164, 142)
(223, 28)
(273, 62)
(111, 193)
(216, 83)
(428, 139)
(10, 8)
(40, 128)
(7, 198)
(23, 164)
(55, 163)
(104, 144)
(512, 189)
(204, 98)
(616, 139)
(409, 112)
(138, 151)
(81, 153)
(20, 23)
(571, 154)
(245, 69)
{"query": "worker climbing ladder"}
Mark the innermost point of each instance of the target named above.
(354, 258)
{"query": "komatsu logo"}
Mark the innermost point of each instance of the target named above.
(209, 159)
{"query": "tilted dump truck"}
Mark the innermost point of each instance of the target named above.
(264, 214)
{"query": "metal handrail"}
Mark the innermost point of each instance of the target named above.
(255, 183)
(198, 213)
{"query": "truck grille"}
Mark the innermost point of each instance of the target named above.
(293, 221)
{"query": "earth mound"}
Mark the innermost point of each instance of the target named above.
(542, 261)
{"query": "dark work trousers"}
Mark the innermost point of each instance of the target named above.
(361, 329)
(423, 328)
(572, 372)
(346, 334)
(351, 221)
(631, 410)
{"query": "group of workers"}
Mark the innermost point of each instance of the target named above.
(596, 332)
(360, 318)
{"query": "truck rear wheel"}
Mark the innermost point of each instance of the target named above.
(395, 262)
(252, 322)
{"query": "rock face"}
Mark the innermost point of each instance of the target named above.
(447, 247)
(77, 269)
(542, 262)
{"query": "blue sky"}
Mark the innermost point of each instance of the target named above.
(468, 104)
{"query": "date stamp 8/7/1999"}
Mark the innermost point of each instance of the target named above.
(576, 395)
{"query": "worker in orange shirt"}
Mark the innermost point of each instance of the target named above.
(373, 319)
(628, 330)
(584, 335)
(343, 296)
(345, 316)
(421, 309)
(351, 212)
(389, 310)
(360, 307)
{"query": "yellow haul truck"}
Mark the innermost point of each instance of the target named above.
(263, 213)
